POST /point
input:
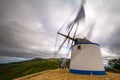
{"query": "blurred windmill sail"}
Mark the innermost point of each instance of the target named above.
(80, 16)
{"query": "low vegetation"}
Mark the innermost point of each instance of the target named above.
(114, 63)
(18, 69)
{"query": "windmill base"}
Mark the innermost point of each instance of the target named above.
(88, 72)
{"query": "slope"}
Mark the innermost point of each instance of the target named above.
(60, 74)
(18, 69)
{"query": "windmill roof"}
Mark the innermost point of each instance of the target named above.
(79, 40)
(83, 41)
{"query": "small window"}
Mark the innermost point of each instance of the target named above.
(79, 47)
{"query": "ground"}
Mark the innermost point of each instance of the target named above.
(63, 74)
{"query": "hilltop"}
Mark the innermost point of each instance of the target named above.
(40, 68)
(17, 69)
(63, 74)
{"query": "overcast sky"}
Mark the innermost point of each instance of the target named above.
(28, 27)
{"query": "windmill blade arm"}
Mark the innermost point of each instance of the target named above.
(61, 45)
(66, 36)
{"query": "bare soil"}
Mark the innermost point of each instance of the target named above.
(63, 74)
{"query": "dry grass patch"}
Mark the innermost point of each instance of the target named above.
(59, 74)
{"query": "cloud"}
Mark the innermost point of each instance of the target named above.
(106, 31)
(7, 59)
(105, 17)
(28, 28)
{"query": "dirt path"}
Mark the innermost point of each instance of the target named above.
(59, 74)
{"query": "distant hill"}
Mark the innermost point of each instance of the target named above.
(17, 69)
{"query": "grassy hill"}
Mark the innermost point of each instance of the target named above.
(18, 69)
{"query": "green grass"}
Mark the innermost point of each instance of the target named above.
(18, 69)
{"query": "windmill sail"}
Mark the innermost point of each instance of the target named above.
(81, 15)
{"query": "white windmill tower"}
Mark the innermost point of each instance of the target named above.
(86, 58)
(85, 55)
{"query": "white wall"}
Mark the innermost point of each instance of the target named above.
(86, 58)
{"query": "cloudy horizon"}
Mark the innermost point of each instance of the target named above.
(28, 27)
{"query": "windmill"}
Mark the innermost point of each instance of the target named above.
(85, 55)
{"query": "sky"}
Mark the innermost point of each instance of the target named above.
(28, 28)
